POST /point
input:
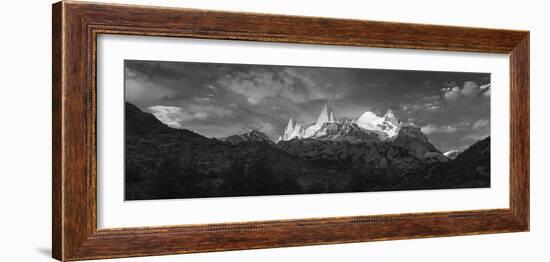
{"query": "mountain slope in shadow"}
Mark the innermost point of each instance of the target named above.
(163, 162)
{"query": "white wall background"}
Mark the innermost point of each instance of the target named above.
(25, 150)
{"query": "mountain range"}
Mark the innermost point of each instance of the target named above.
(368, 127)
(250, 136)
(371, 153)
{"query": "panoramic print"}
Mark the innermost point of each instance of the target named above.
(195, 130)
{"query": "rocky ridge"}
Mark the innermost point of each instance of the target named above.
(329, 156)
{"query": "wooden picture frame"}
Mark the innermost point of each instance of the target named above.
(76, 26)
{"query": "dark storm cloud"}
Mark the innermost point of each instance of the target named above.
(219, 100)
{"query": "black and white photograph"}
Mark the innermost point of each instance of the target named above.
(196, 130)
(269, 131)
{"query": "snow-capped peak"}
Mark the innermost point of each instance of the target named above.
(293, 129)
(326, 116)
(390, 117)
(369, 120)
(388, 124)
(452, 154)
(290, 126)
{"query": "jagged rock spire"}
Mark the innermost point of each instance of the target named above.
(298, 131)
(289, 129)
(291, 124)
(295, 130)
(326, 116)
(386, 126)
(390, 117)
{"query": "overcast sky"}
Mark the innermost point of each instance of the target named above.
(218, 100)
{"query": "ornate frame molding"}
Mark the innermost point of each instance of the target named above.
(76, 26)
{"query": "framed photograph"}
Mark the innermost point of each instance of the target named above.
(181, 130)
